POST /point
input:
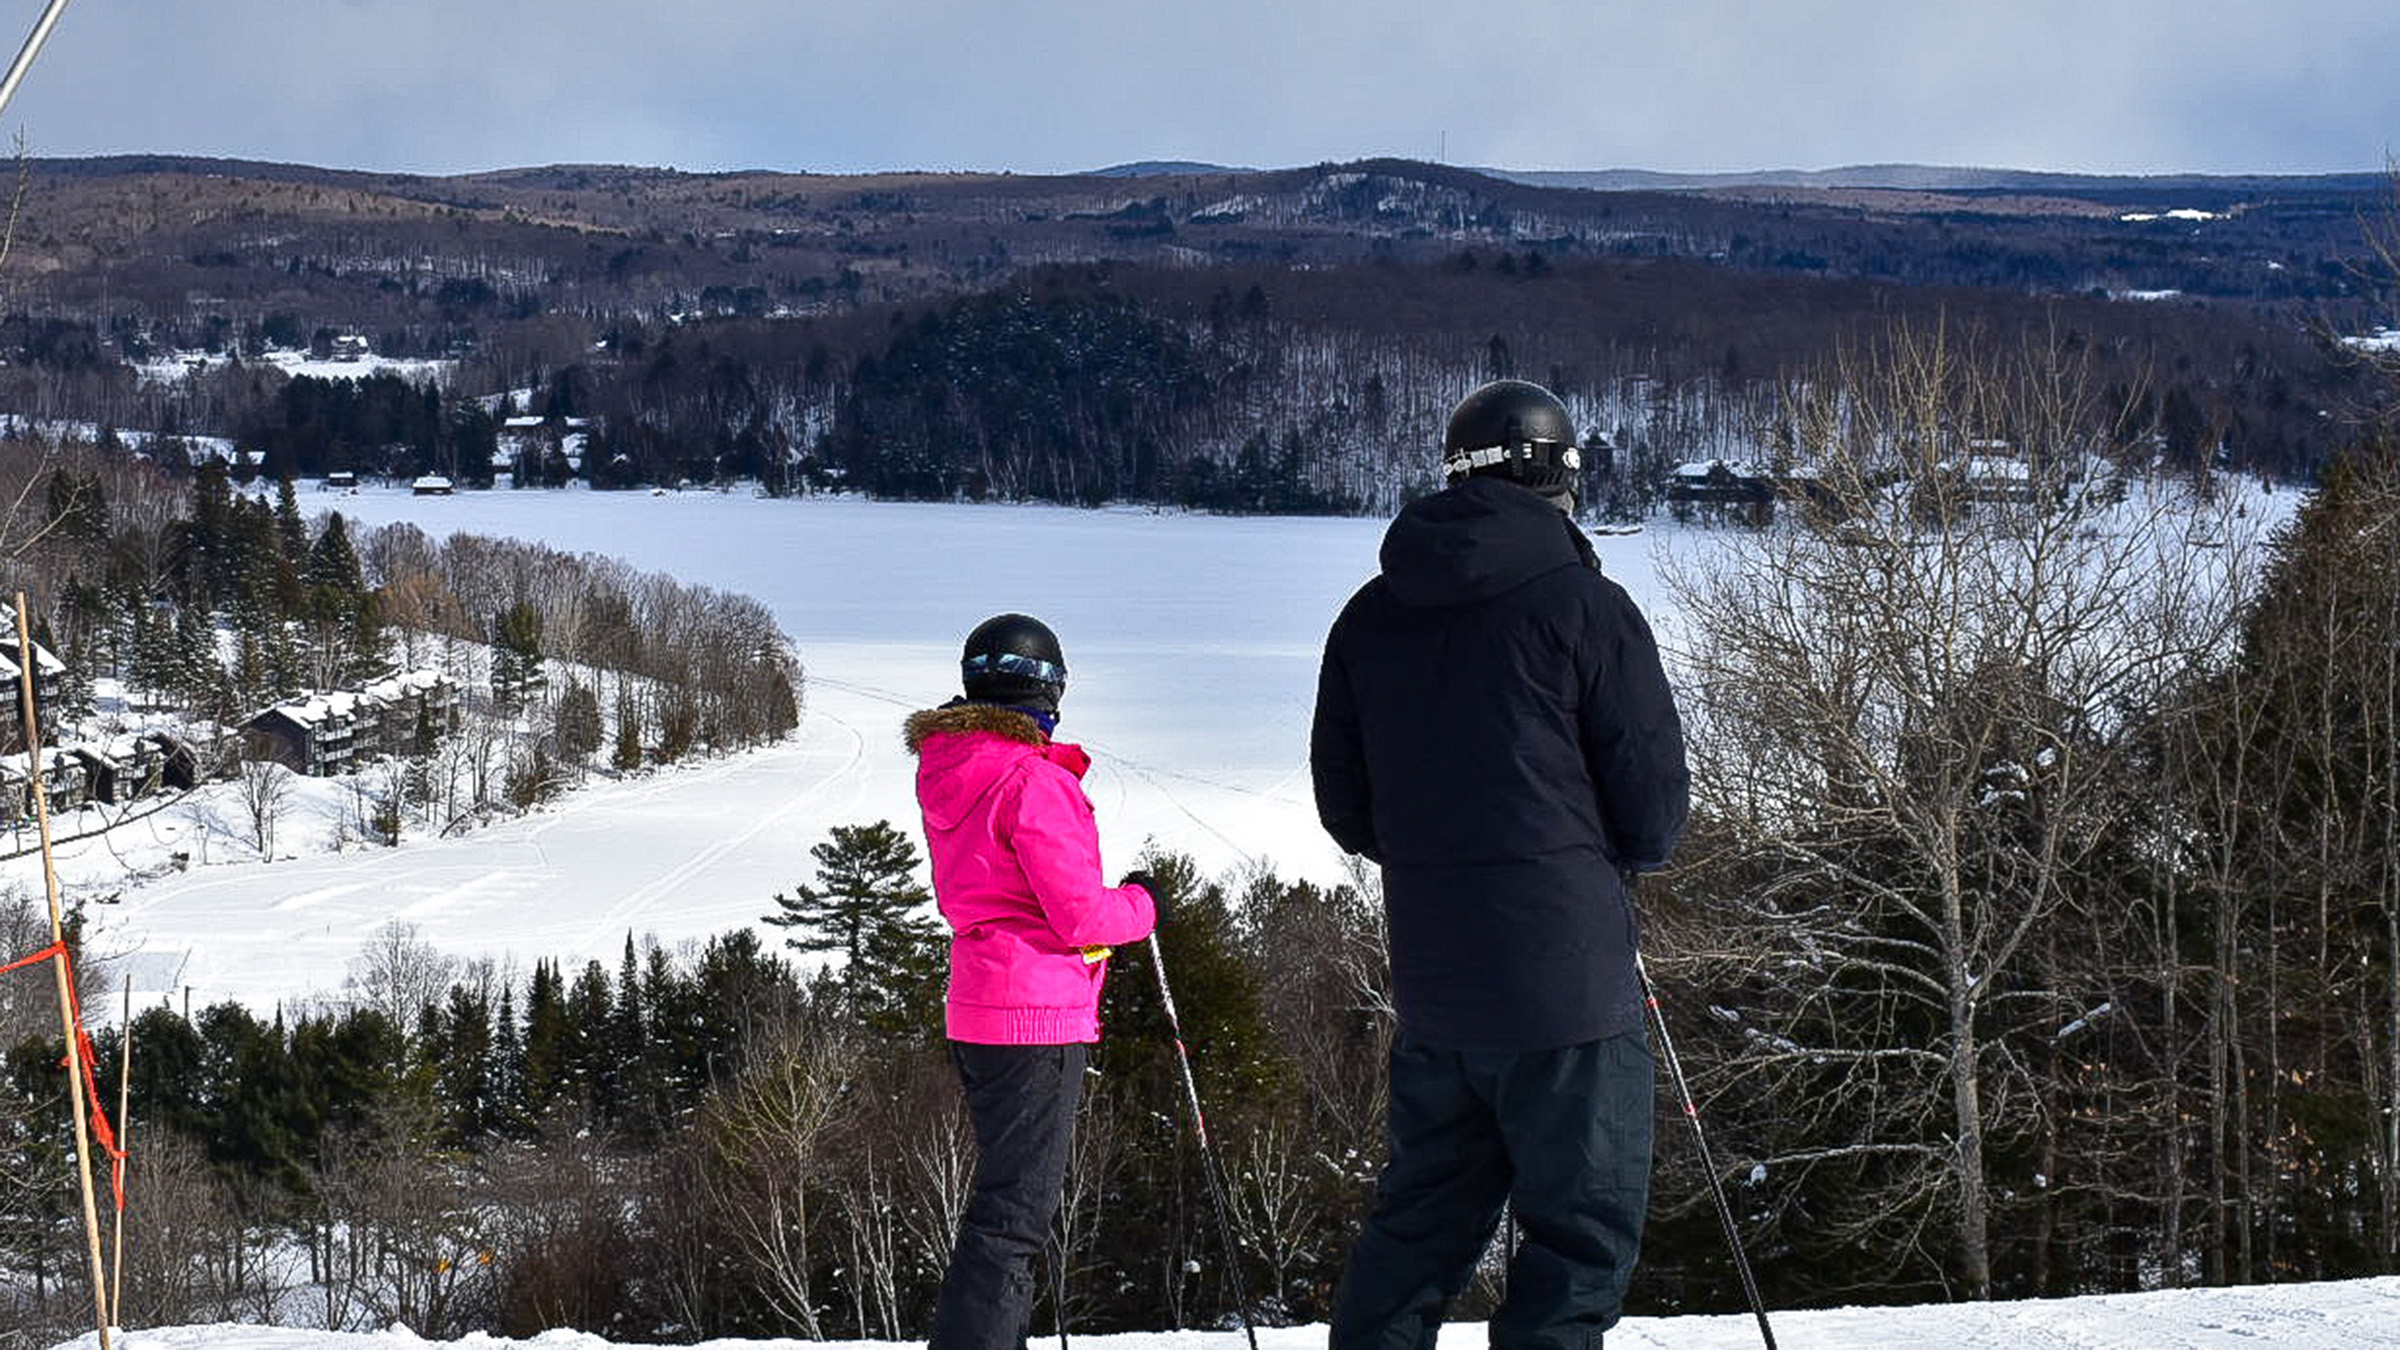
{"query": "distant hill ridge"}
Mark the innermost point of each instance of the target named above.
(1894, 177)
(1921, 178)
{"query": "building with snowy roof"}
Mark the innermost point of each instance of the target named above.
(329, 733)
(1716, 487)
(64, 784)
(122, 768)
(49, 673)
(316, 735)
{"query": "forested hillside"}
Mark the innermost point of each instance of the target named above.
(1270, 341)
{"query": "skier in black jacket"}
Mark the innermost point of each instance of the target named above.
(1494, 729)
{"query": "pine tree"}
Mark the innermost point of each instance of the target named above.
(333, 559)
(591, 1007)
(869, 907)
(579, 733)
(464, 1073)
(622, 1041)
(517, 653)
(628, 754)
(548, 1043)
(508, 1062)
(291, 529)
(208, 558)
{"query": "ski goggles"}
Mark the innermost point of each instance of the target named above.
(1010, 663)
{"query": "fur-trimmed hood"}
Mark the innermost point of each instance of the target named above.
(964, 749)
(962, 715)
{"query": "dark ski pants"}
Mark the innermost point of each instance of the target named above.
(1563, 1136)
(1022, 1099)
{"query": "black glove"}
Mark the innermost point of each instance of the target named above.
(1159, 900)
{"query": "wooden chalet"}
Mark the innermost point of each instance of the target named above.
(316, 735)
(393, 710)
(324, 734)
(48, 674)
(125, 769)
(64, 783)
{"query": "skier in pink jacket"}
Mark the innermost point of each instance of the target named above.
(1016, 873)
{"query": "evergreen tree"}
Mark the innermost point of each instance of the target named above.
(77, 507)
(626, 1034)
(344, 618)
(464, 1069)
(508, 1062)
(628, 754)
(579, 731)
(548, 1043)
(516, 654)
(291, 528)
(209, 556)
(192, 667)
(333, 559)
(675, 1054)
(869, 907)
(591, 1009)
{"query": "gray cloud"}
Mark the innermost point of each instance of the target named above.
(1051, 85)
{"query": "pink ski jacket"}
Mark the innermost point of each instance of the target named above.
(1016, 872)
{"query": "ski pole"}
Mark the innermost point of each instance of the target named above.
(1708, 1164)
(1058, 1283)
(1208, 1157)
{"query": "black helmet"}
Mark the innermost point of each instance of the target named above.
(1516, 430)
(1014, 659)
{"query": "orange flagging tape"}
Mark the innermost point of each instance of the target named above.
(82, 1057)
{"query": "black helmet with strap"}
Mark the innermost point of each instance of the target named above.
(1517, 430)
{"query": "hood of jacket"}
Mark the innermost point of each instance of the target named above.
(964, 749)
(1484, 537)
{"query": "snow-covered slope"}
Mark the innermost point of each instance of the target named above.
(2351, 1315)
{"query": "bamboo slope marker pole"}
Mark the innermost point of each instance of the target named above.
(66, 993)
(116, 1264)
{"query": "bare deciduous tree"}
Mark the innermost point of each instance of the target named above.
(264, 787)
(770, 1131)
(1905, 701)
(397, 972)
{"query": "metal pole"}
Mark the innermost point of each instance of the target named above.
(66, 992)
(31, 49)
(1208, 1156)
(1708, 1164)
(116, 1278)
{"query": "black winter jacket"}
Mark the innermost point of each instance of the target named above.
(1493, 727)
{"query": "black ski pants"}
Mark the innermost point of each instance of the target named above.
(1563, 1136)
(1022, 1099)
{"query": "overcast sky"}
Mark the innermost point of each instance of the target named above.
(1041, 86)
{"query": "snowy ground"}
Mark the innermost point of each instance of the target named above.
(2353, 1315)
